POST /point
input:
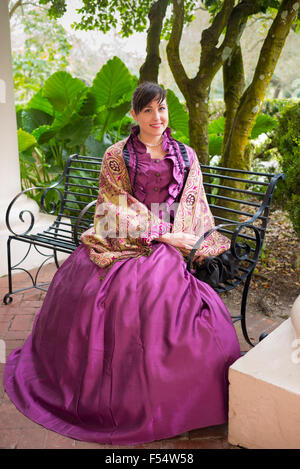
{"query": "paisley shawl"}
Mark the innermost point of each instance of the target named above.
(130, 227)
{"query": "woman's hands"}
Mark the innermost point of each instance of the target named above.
(183, 241)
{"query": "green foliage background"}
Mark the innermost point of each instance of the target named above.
(39, 58)
(65, 115)
(287, 141)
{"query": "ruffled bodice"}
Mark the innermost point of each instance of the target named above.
(156, 181)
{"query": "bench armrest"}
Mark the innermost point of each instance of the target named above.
(240, 225)
(53, 205)
(12, 205)
(235, 234)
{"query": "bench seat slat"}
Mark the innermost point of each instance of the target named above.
(234, 189)
(81, 194)
(88, 159)
(52, 242)
(79, 168)
(72, 226)
(95, 188)
(233, 178)
(236, 201)
(238, 212)
(79, 202)
(233, 170)
(84, 178)
(57, 230)
(228, 220)
(55, 236)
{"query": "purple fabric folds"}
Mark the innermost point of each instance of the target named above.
(138, 356)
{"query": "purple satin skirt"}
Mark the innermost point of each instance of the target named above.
(130, 355)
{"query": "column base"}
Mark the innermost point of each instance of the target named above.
(264, 393)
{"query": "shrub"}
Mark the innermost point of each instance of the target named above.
(287, 140)
(273, 107)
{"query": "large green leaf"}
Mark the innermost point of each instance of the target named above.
(77, 130)
(217, 126)
(181, 137)
(61, 89)
(39, 102)
(25, 140)
(215, 144)
(108, 116)
(34, 118)
(27, 158)
(111, 83)
(178, 117)
(94, 147)
(65, 119)
(263, 124)
(44, 133)
(87, 105)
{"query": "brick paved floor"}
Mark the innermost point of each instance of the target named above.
(16, 431)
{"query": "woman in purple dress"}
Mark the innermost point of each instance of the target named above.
(129, 347)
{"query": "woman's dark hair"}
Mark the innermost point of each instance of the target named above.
(145, 93)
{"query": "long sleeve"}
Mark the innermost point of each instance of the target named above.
(123, 226)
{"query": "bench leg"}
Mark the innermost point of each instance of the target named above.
(55, 258)
(7, 299)
(243, 309)
(243, 313)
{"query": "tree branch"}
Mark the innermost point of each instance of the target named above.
(210, 36)
(212, 58)
(21, 3)
(14, 7)
(261, 155)
(149, 69)
(173, 54)
(238, 19)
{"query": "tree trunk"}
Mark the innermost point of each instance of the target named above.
(196, 90)
(234, 86)
(150, 68)
(235, 154)
(198, 123)
(252, 99)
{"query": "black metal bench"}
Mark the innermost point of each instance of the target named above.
(72, 199)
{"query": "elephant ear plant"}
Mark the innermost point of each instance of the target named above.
(67, 116)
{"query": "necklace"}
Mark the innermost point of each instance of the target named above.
(152, 145)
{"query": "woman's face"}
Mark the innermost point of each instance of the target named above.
(152, 119)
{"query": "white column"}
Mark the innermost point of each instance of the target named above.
(10, 184)
(10, 173)
(264, 390)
